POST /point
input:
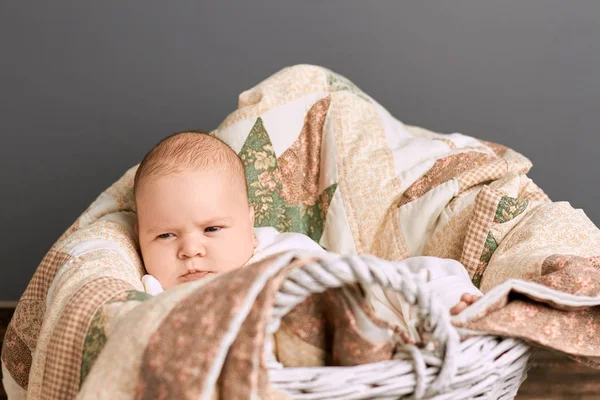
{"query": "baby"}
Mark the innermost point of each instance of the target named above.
(194, 220)
(194, 216)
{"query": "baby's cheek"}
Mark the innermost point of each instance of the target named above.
(166, 284)
(156, 265)
(156, 274)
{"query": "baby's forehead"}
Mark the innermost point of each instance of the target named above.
(207, 177)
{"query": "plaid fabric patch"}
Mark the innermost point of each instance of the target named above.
(489, 172)
(63, 361)
(478, 228)
(44, 275)
(26, 323)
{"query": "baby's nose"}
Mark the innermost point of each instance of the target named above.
(191, 249)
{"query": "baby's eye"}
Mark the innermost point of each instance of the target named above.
(211, 229)
(165, 236)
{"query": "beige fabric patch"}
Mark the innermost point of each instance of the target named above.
(368, 193)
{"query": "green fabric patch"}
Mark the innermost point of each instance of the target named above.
(509, 208)
(135, 295)
(477, 279)
(93, 344)
(96, 335)
(339, 83)
(489, 248)
(264, 190)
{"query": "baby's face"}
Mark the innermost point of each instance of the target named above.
(192, 224)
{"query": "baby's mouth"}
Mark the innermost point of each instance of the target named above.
(193, 276)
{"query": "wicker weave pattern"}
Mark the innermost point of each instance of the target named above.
(446, 368)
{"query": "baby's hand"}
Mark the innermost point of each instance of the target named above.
(465, 301)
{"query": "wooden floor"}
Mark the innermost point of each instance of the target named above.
(552, 376)
(555, 376)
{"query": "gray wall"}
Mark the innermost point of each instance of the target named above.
(87, 89)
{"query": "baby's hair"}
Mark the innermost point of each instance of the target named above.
(190, 150)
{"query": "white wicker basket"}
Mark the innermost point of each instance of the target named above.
(481, 367)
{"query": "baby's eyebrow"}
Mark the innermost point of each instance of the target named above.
(217, 221)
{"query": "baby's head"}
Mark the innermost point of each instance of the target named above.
(194, 217)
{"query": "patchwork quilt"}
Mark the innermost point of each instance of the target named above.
(325, 159)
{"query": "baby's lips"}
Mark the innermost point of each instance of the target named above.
(194, 276)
